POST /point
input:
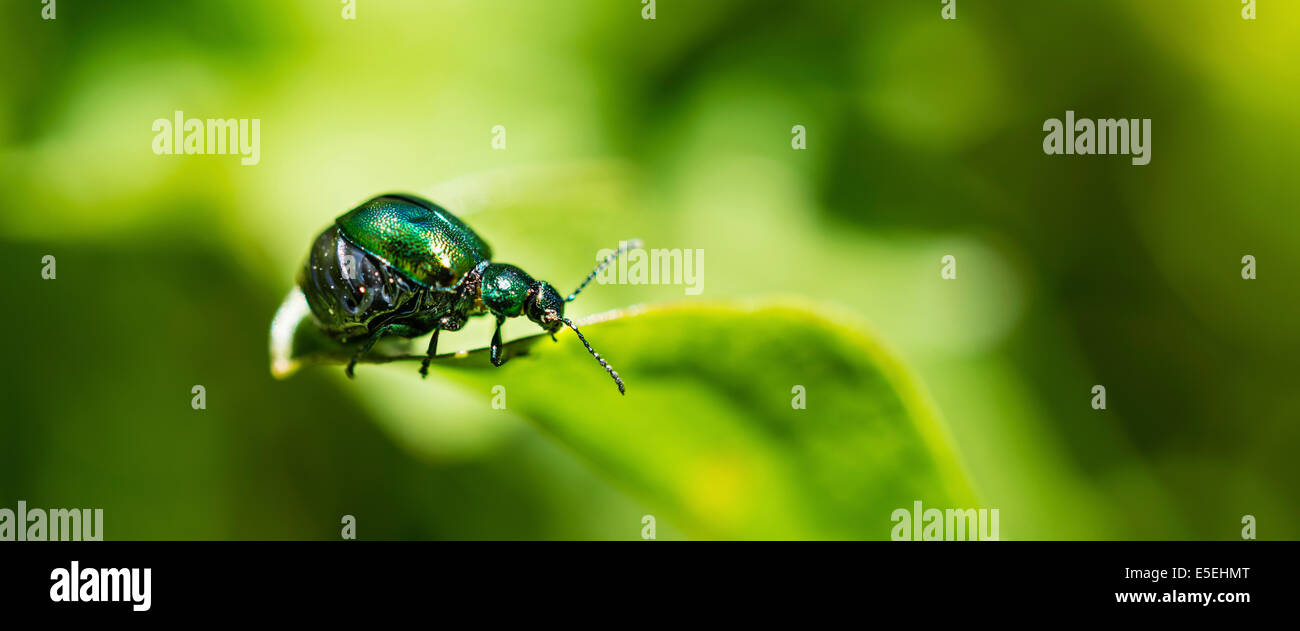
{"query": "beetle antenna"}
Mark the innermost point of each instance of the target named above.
(622, 247)
(609, 369)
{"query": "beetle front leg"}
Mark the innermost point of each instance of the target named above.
(365, 348)
(496, 344)
(428, 356)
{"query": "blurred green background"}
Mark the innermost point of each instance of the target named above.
(923, 139)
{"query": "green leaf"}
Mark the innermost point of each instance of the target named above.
(707, 434)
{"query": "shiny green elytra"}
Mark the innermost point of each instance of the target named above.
(425, 242)
(402, 265)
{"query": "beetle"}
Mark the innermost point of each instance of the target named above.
(401, 265)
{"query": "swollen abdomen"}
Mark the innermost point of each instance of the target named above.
(351, 291)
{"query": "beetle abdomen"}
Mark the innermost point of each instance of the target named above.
(350, 290)
(419, 238)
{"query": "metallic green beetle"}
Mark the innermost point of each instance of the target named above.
(402, 265)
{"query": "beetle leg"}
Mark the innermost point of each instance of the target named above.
(433, 350)
(365, 348)
(496, 344)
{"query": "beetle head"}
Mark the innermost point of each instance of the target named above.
(544, 306)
